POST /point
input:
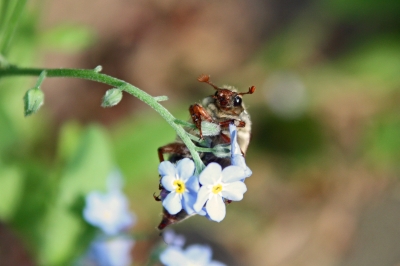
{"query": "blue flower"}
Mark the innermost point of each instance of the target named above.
(109, 211)
(237, 157)
(217, 185)
(173, 239)
(182, 185)
(114, 251)
(196, 255)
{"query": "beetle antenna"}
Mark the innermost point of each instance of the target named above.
(206, 79)
(252, 89)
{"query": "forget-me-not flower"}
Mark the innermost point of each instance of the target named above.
(194, 255)
(181, 184)
(172, 239)
(217, 185)
(115, 251)
(109, 211)
(237, 157)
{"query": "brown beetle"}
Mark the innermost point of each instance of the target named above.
(222, 108)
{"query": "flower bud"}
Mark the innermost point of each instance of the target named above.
(33, 100)
(98, 69)
(210, 129)
(222, 150)
(112, 97)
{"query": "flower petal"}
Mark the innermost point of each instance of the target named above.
(199, 254)
(173, 256)
(202, 197)
(110, 212)
(234, 191)
(215, 207)
(167, 182)
(211, 174)
(238, 160)
(166, 168)
(193, 184)
(232, 173)
(172, 239)
(172, 203)
(235, 149)
(189, 199)
(185, 168)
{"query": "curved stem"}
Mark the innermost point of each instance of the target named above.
(102, 78)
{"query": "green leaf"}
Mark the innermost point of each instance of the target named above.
(382, 142)
(68, 38)
(11, 188)
(86, 170)
(8, 132)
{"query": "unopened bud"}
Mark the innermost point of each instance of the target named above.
(33, 100)
(112, 97)
(210, 129)
(98, 69)
(222, 150)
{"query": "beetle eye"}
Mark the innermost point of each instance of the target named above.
(237, 101)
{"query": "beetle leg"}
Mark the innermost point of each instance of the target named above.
(237, 123)
(176, 148)
(198, 114)
(157, 198)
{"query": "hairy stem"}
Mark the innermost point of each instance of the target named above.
(102, 78)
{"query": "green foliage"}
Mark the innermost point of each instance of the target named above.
(11, 189)
(381, 143)
(376, 60)
(298, 137)
(366, 10)
(86, 170)
(136, 142)
(68, 38)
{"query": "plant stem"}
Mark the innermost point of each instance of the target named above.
(102, 78)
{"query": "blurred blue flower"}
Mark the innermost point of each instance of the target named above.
(217, 185)
(237, 157)
(109, 211)
(115, 251)
(173, 239)
(194, 255)
(182, 185)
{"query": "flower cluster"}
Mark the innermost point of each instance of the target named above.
(207, 193)
(110, 213)
(175, 255)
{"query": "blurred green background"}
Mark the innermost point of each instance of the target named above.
(325, 150)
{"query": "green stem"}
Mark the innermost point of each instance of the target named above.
(102, 78)
(201, 149)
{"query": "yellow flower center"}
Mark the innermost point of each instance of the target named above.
(107, 214)
(180, 186)
(217, 189)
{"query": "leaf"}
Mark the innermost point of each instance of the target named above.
(11, 188)
(87, 169)
(68, 38)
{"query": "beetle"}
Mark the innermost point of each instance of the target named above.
(222, 108)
